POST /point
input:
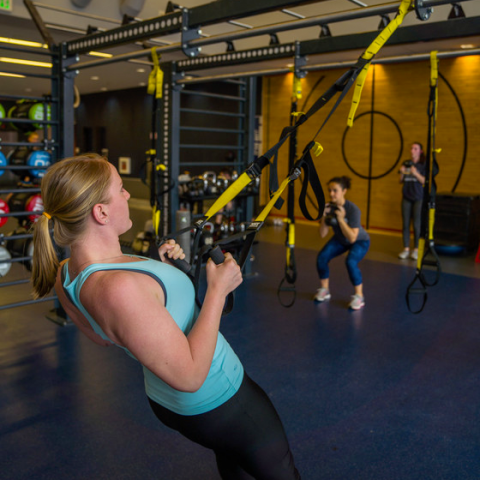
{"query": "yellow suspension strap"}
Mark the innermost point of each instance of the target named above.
(247, 236)
(426, 246)
(155, 79)
(405, 7)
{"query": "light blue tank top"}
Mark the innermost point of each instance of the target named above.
(226, 371)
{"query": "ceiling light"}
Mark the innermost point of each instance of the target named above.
(94, 78)
(140, 70)
(100, 54)
(104, 89)
(5, 74)
(24, 43)
(467, 45)
(19, 61)
(142, 84)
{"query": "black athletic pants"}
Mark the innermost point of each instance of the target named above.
(245, 433)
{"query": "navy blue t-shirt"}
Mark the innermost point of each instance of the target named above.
(352, 218)
(412, 188)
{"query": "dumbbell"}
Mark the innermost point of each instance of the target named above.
(4, 208)
(25, 202)
(21, 247)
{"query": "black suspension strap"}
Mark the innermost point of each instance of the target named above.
(427, 255)
(287, 284)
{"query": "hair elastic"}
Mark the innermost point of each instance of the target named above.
(47, 215)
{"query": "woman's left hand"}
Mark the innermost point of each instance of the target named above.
(170, 250)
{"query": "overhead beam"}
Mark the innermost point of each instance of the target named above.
(224, 10)
(461, 27)
(327, 66)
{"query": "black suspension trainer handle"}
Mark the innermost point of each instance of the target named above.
(421, 290)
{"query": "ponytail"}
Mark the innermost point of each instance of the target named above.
(44, 260)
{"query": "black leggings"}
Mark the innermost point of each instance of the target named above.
(245, 433)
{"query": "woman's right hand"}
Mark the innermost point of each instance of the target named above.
(225, 277)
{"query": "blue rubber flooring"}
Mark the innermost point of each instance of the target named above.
(375, 394)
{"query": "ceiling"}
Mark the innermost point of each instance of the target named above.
(68, 25)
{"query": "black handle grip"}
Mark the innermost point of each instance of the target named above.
(182, 265)
(217, 255)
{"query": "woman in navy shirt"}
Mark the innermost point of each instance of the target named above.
(349, 236)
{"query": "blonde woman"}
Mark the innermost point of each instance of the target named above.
(194, 381)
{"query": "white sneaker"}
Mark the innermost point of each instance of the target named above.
(322, 295)
(357, 302)
(404, 255)
(414, 255)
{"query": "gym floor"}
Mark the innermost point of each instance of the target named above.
(375, 394)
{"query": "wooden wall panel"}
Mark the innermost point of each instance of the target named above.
(379, 142)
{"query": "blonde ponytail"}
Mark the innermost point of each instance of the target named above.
(45, 260)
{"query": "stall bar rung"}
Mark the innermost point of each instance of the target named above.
(27, 120)
(20, 214)
(206, 129)
(33, 50)
(16, 259)
(212, 112)
(27, 302)
(33, 75)
(14, 237)
(22, 167)
(209, 164)
(16, 282)
(213, 95)
(21, 97)
(25, 144)
(19, 190)
(211, 147)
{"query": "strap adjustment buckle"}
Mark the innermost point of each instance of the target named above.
(253, 170)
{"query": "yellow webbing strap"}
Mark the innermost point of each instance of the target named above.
(297, 88)
(372, 50)
(433, 68)
(155, 79)
(264, 213)
(290, 239)
(156, 219)
(421, 251)
(431, 223)
(228, 195)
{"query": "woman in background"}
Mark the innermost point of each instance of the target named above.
(349, 236)
(412, 175)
